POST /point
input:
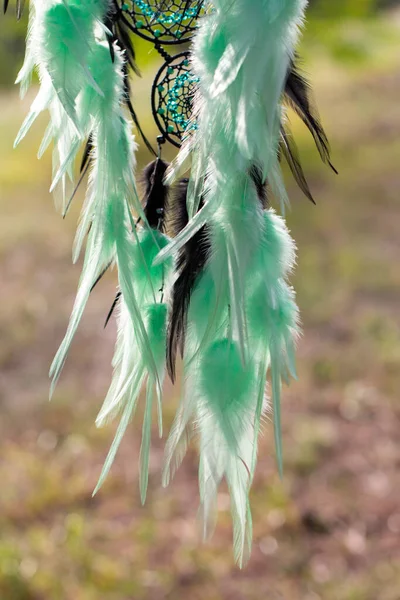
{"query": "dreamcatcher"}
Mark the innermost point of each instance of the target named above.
(203, 260)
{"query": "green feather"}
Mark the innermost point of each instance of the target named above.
(246, 319)
(130, 373)
(226, 386)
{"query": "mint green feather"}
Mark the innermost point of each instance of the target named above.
(145, 445)
(240, 55)
(242, 318)
(61, 39)
(274, 325)
(67, 38)
(130, 373)
(225, 385)
(132, 367)
(107, 210)
(82, 86)
(24, 77)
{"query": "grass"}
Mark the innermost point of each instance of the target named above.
(329, 530)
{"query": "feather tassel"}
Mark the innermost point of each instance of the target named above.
(217, 294)
(189, 267)
(150, 285)
(241, 56)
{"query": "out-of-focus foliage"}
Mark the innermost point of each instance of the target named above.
(339, 9)
(12, 41)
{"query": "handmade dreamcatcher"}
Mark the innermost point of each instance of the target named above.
(202, 259)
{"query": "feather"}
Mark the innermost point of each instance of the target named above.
(241, 56)
(225, 385)
(111, 195)
(225, 304)
(226, 420)
(25, 74)
(298, 97)
(119, 34)
(156, 194)
(135, 120)
(131, 366)
(130, 372)
(260, 185)
(66, 39)
(288, 149)
(60, 39)
(87, 151)
(113, 306)
(20, 8)
(189, 266)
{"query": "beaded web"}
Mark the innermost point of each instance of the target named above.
(164, 21)
(171, 98)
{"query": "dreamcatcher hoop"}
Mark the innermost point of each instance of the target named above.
(169, 24)
(171, 98)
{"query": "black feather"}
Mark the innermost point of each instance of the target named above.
(288, 149)
(124, 40)
(104, 271)
(298, 96)
(82, 175)
(84, 167)
(85, 162)
(260, 185)
(19, 9)
(190, 264)
(156, 193)
(113, 305)
(179, 215)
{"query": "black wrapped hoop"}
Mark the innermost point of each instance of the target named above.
(171, 98)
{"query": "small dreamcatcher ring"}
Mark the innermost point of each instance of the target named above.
(171, 98)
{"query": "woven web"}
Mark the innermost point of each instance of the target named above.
(163, 21)
(172, 95)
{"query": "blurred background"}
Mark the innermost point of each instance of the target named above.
(330, 530)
